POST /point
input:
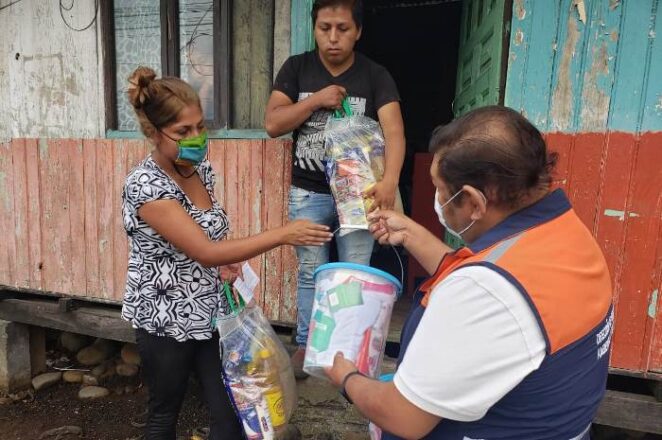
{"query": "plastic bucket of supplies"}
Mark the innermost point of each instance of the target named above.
(351, 314)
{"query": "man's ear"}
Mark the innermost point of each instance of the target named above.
(477, 200)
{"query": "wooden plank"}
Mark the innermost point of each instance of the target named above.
(518, 56)
(598, 81)
(642, 224)
(232, 186)
(630, 411)
(7, 244)
(255, 178)
(120, 239)
(301, 27)
(136, 153)
(282, 35)
(567, 78)
(56, 233)
(653, 336)
(20, 215)
(585, 175)
(241, 64)
(76, 203)
(562, 144)
(217, 159)
(261, 58)
(34, 212)
(105, 221)
(273, 212)
(289, 272)
(652, 111)
(654, 308)
(612, 203)
(535, 27)
(100, 322)
(634, 44)
(243, 176)
(92, 282)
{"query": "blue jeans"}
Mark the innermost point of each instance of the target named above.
(355, 247)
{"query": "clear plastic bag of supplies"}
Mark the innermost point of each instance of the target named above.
(256, 370)
(354, 162)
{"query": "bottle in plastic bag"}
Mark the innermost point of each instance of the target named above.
(253, 412)
(266, 368)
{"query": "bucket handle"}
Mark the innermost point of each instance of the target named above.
(402, 267)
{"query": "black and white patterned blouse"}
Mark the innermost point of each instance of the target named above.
(167, 293)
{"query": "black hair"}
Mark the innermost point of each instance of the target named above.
(496, 150)
(355, 5)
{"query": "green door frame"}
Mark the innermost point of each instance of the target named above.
(301, 39)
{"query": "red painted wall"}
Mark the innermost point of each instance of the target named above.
(614, 181)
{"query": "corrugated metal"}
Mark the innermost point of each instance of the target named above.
(60, 212)
(586, 73)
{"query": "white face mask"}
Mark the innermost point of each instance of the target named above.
(439, 209)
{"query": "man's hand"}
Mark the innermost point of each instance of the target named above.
(329, 97)
(341, 368)
(382, 195)
(389, 227)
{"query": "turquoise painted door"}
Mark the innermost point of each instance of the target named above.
(480, 70)
(302, 38)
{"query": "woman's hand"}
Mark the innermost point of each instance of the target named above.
(341, 368)
(230, 272)
(305, 233)
(389, 227)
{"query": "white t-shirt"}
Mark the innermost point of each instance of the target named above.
(477, 340)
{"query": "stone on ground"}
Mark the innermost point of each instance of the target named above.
(93, 392)
(61, 432)
(96, 353)
(73, 342)
(73, 376)
(46, 380)
(130, 354)
(126, 370)
(88, 380)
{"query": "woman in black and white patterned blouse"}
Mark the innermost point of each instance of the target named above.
(177, 233)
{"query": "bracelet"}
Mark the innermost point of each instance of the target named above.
(343, 391)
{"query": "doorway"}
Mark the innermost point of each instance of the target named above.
(446, 57)
(418, 43)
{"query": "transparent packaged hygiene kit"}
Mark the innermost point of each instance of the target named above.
(257, 372)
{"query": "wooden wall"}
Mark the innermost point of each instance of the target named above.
(587, 73)
(252, 61)
(60, 212)
(49, 74)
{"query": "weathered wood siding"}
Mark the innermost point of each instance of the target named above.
(49, 74)
(587, 73)
(252, 61)
(60, 203)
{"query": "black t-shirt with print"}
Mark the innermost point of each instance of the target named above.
(369, 87)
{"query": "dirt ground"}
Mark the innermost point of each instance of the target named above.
(108, 418)
(321, 414)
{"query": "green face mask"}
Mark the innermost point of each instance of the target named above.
(192, 150)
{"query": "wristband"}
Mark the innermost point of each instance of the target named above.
(344, 383)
